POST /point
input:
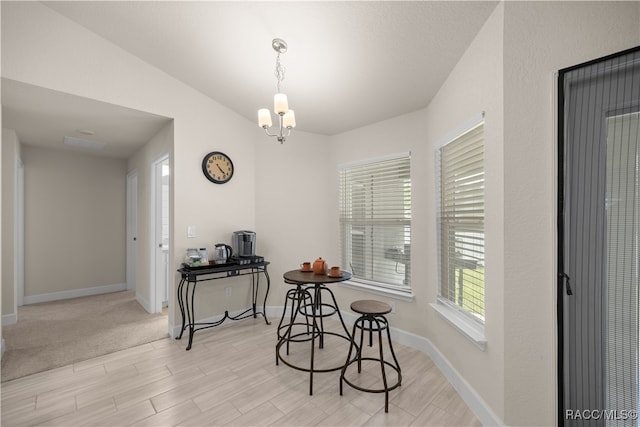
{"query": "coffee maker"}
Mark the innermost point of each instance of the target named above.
(243, 243)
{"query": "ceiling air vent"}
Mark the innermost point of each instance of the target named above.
(84, 143)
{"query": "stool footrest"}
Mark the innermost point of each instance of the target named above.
(376, 390)
(374, 325)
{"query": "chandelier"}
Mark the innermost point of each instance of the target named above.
(286, 117)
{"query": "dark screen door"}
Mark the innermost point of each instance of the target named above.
(598, 241)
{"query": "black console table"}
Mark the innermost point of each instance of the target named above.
(191, 276)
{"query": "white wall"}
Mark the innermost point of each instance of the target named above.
(141, 161)
(10, 151)
(74, 223)
(294, 214)
(508, 72)
(37, 47)
(475, 85)
(539, 39)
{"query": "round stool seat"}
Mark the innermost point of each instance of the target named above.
(371, 307)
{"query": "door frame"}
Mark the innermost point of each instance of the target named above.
(18, 240)
(155, 218)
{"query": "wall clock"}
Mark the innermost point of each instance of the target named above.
(217, 167)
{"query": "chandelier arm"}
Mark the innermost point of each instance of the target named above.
(281, 135)
(281, 127)
(266, 130)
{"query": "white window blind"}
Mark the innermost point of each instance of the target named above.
(375, 222)
(460, 177)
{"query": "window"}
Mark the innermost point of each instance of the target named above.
(375, 222)
(460, 176)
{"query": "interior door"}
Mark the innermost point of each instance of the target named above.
(598, 241)
(161, 234)
(132, 229)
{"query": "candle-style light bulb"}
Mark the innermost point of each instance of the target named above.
(280, 103)
(264, 118)
(289, 119)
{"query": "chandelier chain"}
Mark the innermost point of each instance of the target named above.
(279, 72)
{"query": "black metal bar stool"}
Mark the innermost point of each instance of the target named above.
(314, 307)
(300, 298)
(372, 318)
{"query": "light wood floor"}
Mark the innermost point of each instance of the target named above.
(229, 377)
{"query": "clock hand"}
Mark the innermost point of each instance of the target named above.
(220, 168)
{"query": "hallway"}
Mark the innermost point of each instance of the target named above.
(58, 333)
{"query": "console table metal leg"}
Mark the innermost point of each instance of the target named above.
(191, 313)
(264, 303)
(255, 282)
(181, 305)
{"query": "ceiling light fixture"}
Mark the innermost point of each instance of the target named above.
(286, 117)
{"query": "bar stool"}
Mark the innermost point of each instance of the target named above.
(372, 318)
(312, 300)
(300, 299)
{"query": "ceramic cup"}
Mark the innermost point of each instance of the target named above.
(334, 271)
(305, 266)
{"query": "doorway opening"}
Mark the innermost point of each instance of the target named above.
(160, 232)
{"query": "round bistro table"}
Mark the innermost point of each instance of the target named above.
(314, 285)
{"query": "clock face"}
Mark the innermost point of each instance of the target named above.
(217, 167)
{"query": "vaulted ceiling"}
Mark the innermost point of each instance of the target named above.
(349, 63)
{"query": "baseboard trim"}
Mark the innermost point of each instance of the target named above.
(74, 293)
(144, 303)
(9, 319)
(473, 400)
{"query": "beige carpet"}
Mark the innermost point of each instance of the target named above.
(59, 333)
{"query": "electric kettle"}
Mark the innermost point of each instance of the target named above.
(221, 253)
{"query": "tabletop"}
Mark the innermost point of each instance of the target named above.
(220, 268)
(301, 277)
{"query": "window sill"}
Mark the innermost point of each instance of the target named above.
(391, 293)
(467, 327)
